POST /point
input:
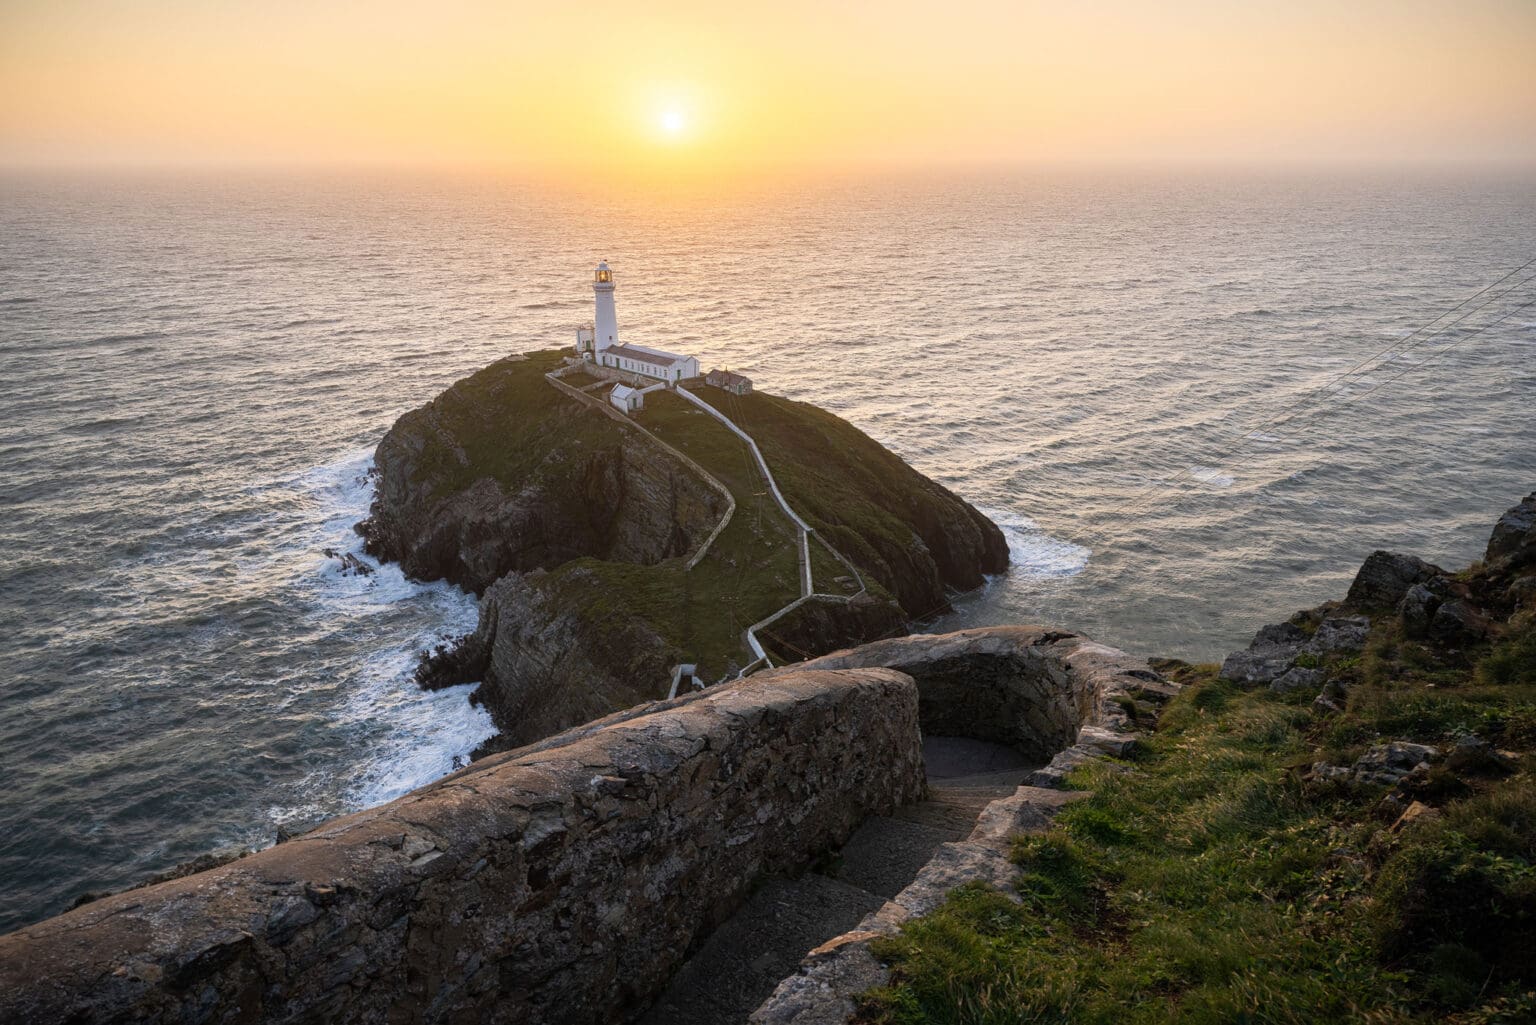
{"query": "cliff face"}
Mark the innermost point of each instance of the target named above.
(552, 657)
(497, 475)
(572, 527)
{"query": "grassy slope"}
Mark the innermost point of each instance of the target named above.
(848, 491)
(507, 418)
(750, 571)
(1213, 883)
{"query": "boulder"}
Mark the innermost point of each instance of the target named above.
(1339, 634)
(1456, 623)
(1298, 678)
(1417, 609)
(1384, 579)
(1476, 756)
(1390, 763)
(1268, 657)
(1418, 811)
(1514, 536)
(351, 565)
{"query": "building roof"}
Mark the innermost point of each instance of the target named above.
(728, 376)
(623, 391)
(641, 354)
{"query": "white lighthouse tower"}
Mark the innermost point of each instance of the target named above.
(598, 344)
(605, 321)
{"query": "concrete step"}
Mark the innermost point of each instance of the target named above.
(743, 960)
(885, 854)
(741, 963)
(952, 812)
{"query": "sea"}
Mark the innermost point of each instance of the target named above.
(1194, 400)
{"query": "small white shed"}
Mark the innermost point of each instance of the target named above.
(626, 399)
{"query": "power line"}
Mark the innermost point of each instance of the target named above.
(1287, 414)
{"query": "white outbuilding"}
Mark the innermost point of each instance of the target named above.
(626, 400)
(599, 341)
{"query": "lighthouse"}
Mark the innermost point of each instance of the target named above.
(598, 345)
(605, 321)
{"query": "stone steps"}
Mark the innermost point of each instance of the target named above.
(739, 965)
(742, 961)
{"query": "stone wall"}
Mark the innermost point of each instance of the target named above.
(561, 882)
(1025, 686)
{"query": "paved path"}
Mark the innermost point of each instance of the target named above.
(803, 532)
(739, 965)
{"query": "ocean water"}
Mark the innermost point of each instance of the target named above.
(194, 369)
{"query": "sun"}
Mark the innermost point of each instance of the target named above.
(672, 122)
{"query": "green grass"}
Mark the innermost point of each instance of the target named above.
(861, 496)
(1212, 883)
(506, 422)
(507, 418)
(751, 570)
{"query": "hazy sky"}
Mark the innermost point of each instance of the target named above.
(631, 85)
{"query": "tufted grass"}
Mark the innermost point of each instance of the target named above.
(1209, 882)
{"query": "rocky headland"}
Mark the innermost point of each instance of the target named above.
(575, 528)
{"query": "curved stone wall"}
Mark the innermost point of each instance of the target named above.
(1025, 686)
(561, 882)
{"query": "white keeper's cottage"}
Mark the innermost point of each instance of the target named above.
(599, 341)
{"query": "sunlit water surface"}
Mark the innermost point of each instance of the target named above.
(194, 370)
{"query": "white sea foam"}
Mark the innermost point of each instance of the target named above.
(1034, 553)
(428, 735)
(411, 736)
(1211, 475)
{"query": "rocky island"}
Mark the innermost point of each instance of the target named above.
(592, 539)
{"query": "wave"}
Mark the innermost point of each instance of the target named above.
(1034, 553)
(1211, 475)
(408, 736)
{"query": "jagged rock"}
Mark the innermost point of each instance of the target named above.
(1476, 756)
(1331, 699)
(1384, 764)
(1339, 633)
(351, 565)
(1389, 763)
(1270, 654)
(1417, 609)
(1456, 623)
(1298, 678)
(1385, 577)
(1418, 811)
(1514, 536)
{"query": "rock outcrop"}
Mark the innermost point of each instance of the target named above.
(549, 509)
(560, 883)
(1428, 605)
(1514, 536)
(499, 474)
(1385, 578)
(549, 663)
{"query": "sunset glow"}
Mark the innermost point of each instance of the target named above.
(672, 122)
(977, 81)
